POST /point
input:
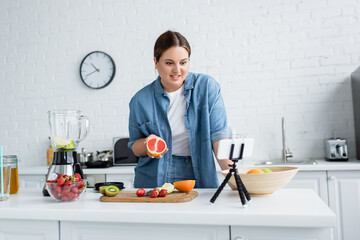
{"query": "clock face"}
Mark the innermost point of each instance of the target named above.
(97, 70)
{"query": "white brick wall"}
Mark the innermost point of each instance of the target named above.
(272, 59)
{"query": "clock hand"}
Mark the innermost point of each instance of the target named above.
(90, 73)
(95, 67)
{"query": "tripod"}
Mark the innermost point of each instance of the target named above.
(243, 193)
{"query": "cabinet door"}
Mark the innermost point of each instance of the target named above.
(92, 179)
(344, 200)
(315, 180)
(32, 181)
(126, 178)
(29, 230)
(127, 231)
(279, 233)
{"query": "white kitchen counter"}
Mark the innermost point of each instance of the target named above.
(284, 208)
(321, 165)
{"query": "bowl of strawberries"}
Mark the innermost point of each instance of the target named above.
(66, 188)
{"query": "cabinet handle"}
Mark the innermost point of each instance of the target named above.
(331, 177)
(239, 238)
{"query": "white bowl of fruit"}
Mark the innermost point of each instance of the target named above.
(261, 181)
(66, 188)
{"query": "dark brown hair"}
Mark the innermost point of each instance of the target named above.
(170, 39)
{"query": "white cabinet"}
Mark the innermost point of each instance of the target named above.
(344, 200)
(126, 231)
(316, 180)
(277, 233)
(31, 180)
(92, 179)
(29, 230)
(126, 178)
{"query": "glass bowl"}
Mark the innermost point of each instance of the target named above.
(69, 191)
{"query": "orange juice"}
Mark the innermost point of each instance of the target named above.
(14, 181)
(12, 160)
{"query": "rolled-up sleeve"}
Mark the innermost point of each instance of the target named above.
(218, 120)
(134, 131)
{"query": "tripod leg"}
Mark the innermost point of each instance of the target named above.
(240, 188)
(243, 188)
(213, 199)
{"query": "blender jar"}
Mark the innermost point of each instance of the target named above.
(67, 129)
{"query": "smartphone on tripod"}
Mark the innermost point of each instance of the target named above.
(234, 149)
(225, 148)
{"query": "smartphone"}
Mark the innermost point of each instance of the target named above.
(225, 147)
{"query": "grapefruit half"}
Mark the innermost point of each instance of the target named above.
(156, 146)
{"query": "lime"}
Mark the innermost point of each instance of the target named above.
(70, 145)
(266, 170)
(168, 187)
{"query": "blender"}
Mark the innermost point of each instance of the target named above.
(67, 129)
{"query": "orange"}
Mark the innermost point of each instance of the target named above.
(184, 186)
(156, 146)
(254, 171)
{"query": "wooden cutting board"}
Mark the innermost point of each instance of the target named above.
(130, 196)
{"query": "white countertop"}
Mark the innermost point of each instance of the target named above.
(321, 165)
(284, 208)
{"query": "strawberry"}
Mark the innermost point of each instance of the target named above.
(72, 178)
(140, 192)
(162, 193)
(57, 189)
(57, 196)
(68, 184)
(65, 198)
(60, 181)
(77, 175)
(154, 193)
(59, 176)
(74, 190)
(71, 195)
(81, 184)
(65, 192)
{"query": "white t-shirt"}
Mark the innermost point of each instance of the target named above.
(180, 139)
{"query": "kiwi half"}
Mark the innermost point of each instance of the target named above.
(102, 190)
(111, 191)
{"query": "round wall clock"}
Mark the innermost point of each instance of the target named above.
(97, 70)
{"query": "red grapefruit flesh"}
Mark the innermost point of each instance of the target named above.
(156, 146)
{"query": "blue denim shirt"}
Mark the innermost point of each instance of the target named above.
(205, 122)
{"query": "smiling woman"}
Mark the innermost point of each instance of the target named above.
(185, 110)
(174, 67)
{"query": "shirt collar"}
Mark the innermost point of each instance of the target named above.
(188, 84)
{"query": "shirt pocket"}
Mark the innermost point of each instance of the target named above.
(149, 128)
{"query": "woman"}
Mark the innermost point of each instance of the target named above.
(186, 110)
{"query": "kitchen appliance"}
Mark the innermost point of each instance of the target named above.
(336, 149)
(67, 129)
(122, 154)
(103, 159)
(355, 85)
(85, 157)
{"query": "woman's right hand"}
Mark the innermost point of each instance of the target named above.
(148, 153)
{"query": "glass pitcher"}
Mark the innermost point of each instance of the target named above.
(67, 129)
